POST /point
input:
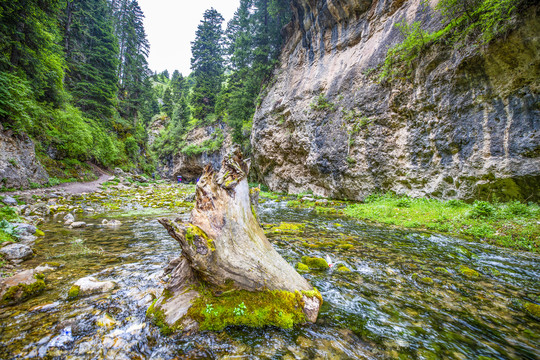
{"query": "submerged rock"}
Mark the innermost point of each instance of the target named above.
(89, 286)
(111, 223)
(77, 225)
(69, 219)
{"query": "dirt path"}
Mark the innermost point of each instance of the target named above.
(70, 188)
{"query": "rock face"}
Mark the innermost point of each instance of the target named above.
(18, 163)
(466, 124)
(190, 166)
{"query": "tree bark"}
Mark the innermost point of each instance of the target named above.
(224, 245)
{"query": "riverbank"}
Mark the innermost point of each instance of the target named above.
(510, 225)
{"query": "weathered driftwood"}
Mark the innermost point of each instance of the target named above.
(224, 249)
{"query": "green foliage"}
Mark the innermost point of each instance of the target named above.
(210, 145)
(240, 309)
(322, 104)
(475, 22)
(481, 209)
(207, 64)
(481, 220)
(7, 213)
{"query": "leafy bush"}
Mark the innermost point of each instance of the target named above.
(481, 209)
(404, 203)
(8, 213)
(8, 228)
(518, 209)
(455, 203)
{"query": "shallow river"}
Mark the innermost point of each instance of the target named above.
(409, 295)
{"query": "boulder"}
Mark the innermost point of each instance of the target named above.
(25, 229)
(17, 251)
(89, 286)
(69, 219)
(8, 200)
(77, 225)
(21, 287)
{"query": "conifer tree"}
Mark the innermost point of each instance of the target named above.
(92, 56)
(207, 64)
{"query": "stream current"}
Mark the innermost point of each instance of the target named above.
(407, 296)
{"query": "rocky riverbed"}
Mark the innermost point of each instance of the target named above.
(389, 294)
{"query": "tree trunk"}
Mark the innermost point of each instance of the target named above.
(225, 250)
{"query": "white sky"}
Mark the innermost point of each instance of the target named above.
(170, 27)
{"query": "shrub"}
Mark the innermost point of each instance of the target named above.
(481, 209)
(518, 209)
(321, 104)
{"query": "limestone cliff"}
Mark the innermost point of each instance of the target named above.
(208, 145)
(19, 166)
(466, 124)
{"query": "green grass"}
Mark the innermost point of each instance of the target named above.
(513, 225)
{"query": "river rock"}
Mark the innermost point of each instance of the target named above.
(90, 285)
(77, 225)
(69, 219)
(16, 251)
(40, 209)
(111, 223)
(8, 200)
(25, 229)
(21, 286)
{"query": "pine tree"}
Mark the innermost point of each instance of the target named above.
(134, 48)
(168, 104)
(91, 52)
(207, 64)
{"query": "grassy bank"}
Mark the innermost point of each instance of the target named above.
(513, 225)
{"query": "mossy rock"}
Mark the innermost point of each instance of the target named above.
(74, 292)
(441, 270)
(23, 291)
(468, 272)
(315, 262)
(343, 269)
(302, 267)
(346, 246)
(532, 309)
(426, 280)
(255, 309)
(288, 227)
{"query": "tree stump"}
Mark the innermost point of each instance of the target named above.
(229, 273)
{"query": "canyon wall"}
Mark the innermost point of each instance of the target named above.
(465, 124)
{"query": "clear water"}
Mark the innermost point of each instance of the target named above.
(381, 309)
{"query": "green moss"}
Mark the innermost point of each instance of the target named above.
(195, 231)
(39, 233)
(343, 268)
(426, 280)
(315, 262)
(346, 246)
(278, 308)
(468, 272)
(441, 270)
(288, 227)
(22, 292)
(302, 267)
(158, 318)
(532, 309)
(74, 291)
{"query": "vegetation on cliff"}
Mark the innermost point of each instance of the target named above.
(466, 23)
